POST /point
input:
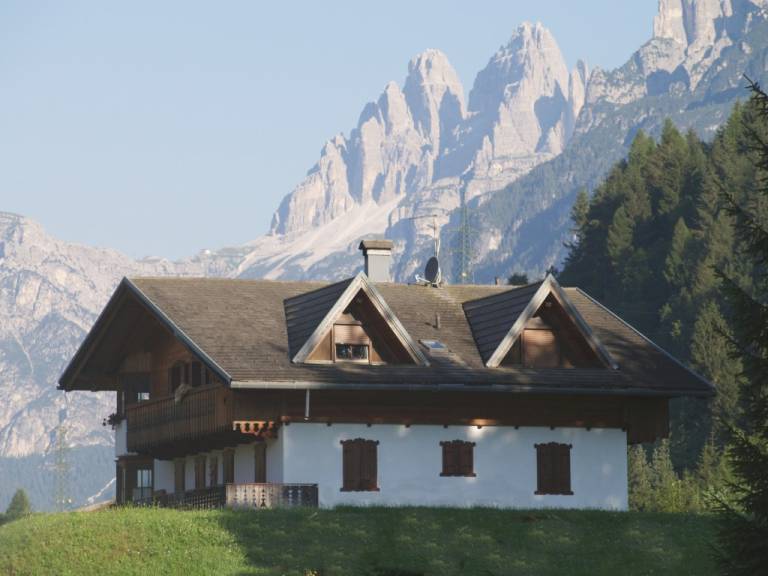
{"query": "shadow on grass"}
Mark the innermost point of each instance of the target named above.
(485, 542)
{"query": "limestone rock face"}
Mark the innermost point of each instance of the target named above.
(50, 294)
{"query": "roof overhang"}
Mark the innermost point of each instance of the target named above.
(71, 377)
(533, 389)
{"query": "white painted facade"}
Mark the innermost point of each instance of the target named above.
(410, 462)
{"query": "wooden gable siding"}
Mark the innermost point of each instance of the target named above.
(551, 340)
(373, 330)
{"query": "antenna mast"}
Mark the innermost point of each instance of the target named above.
(464, 241)
(61, 463)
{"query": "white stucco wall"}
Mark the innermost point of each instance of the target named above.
(275, 459)
(163, 476)
(410, 462)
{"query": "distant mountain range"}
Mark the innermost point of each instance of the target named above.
(499, 172)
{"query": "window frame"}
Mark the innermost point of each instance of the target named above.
(359, 465)
(553, 469)
(463, 453)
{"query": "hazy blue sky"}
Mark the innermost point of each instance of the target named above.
(165, 127)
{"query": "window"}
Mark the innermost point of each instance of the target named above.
(213, 471)
(359, 468)
(199, 472)
(228, 466)
(143, 487)
(178, 476)
(553, 467)
(352, 352)
(351, 343)
(142, 397)
(458, 458)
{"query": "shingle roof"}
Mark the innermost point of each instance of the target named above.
(250, 328)
(491, 317)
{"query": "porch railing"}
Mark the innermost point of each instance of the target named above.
(255, 495)
(240, 496)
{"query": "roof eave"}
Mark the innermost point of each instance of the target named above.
(454, 387)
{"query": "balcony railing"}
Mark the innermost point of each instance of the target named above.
(166, 422)
(256, 495)
(240, 496)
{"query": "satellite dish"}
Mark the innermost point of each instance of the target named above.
(432, 271)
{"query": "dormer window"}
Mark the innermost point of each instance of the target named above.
(351, 342)
(351, 353)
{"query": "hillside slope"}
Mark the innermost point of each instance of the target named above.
(358, 542)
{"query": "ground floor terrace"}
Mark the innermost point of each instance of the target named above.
(329, 464)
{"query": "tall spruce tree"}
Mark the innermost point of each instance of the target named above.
(744, 525)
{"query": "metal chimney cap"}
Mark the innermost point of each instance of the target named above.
(371, 244)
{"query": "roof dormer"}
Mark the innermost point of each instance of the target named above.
(347, 322)
(534, 326)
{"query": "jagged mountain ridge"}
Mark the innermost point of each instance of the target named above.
(418, 151)
(504, 149)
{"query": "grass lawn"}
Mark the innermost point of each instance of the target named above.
(358, 541)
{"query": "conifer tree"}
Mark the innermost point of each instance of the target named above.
(744, 525)
(639, 472)
(19, 506)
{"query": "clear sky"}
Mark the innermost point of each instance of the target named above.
(165, 127)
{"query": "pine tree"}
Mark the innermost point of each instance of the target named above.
(19, 506)
(744, 527)
(639, 472)
(667, 487)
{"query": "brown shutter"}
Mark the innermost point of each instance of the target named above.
(540, 349)
(466, 466)
(369, 465)
(563, 467)
(553, 462)
(179, 483)
(450, 459)
(350, 465)
(197, 375)
(260, 462)
(543, 469)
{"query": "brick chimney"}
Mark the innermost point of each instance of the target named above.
(378, 259)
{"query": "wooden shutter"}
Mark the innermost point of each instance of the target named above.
(350, 465)
(359, 464)
(369, 465)
(562, 465)
(553, 463)
(450, 459)
(178, 476)
(229, 466)
(350, 334)
(540, 349)
(196, 377)
(260, 462)
(458, 458)
(213, 471)
(466, 459)
(119, 483)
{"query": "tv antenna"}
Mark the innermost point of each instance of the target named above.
(432, 274)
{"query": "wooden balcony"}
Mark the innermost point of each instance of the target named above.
(165, 428)
(239, 496)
